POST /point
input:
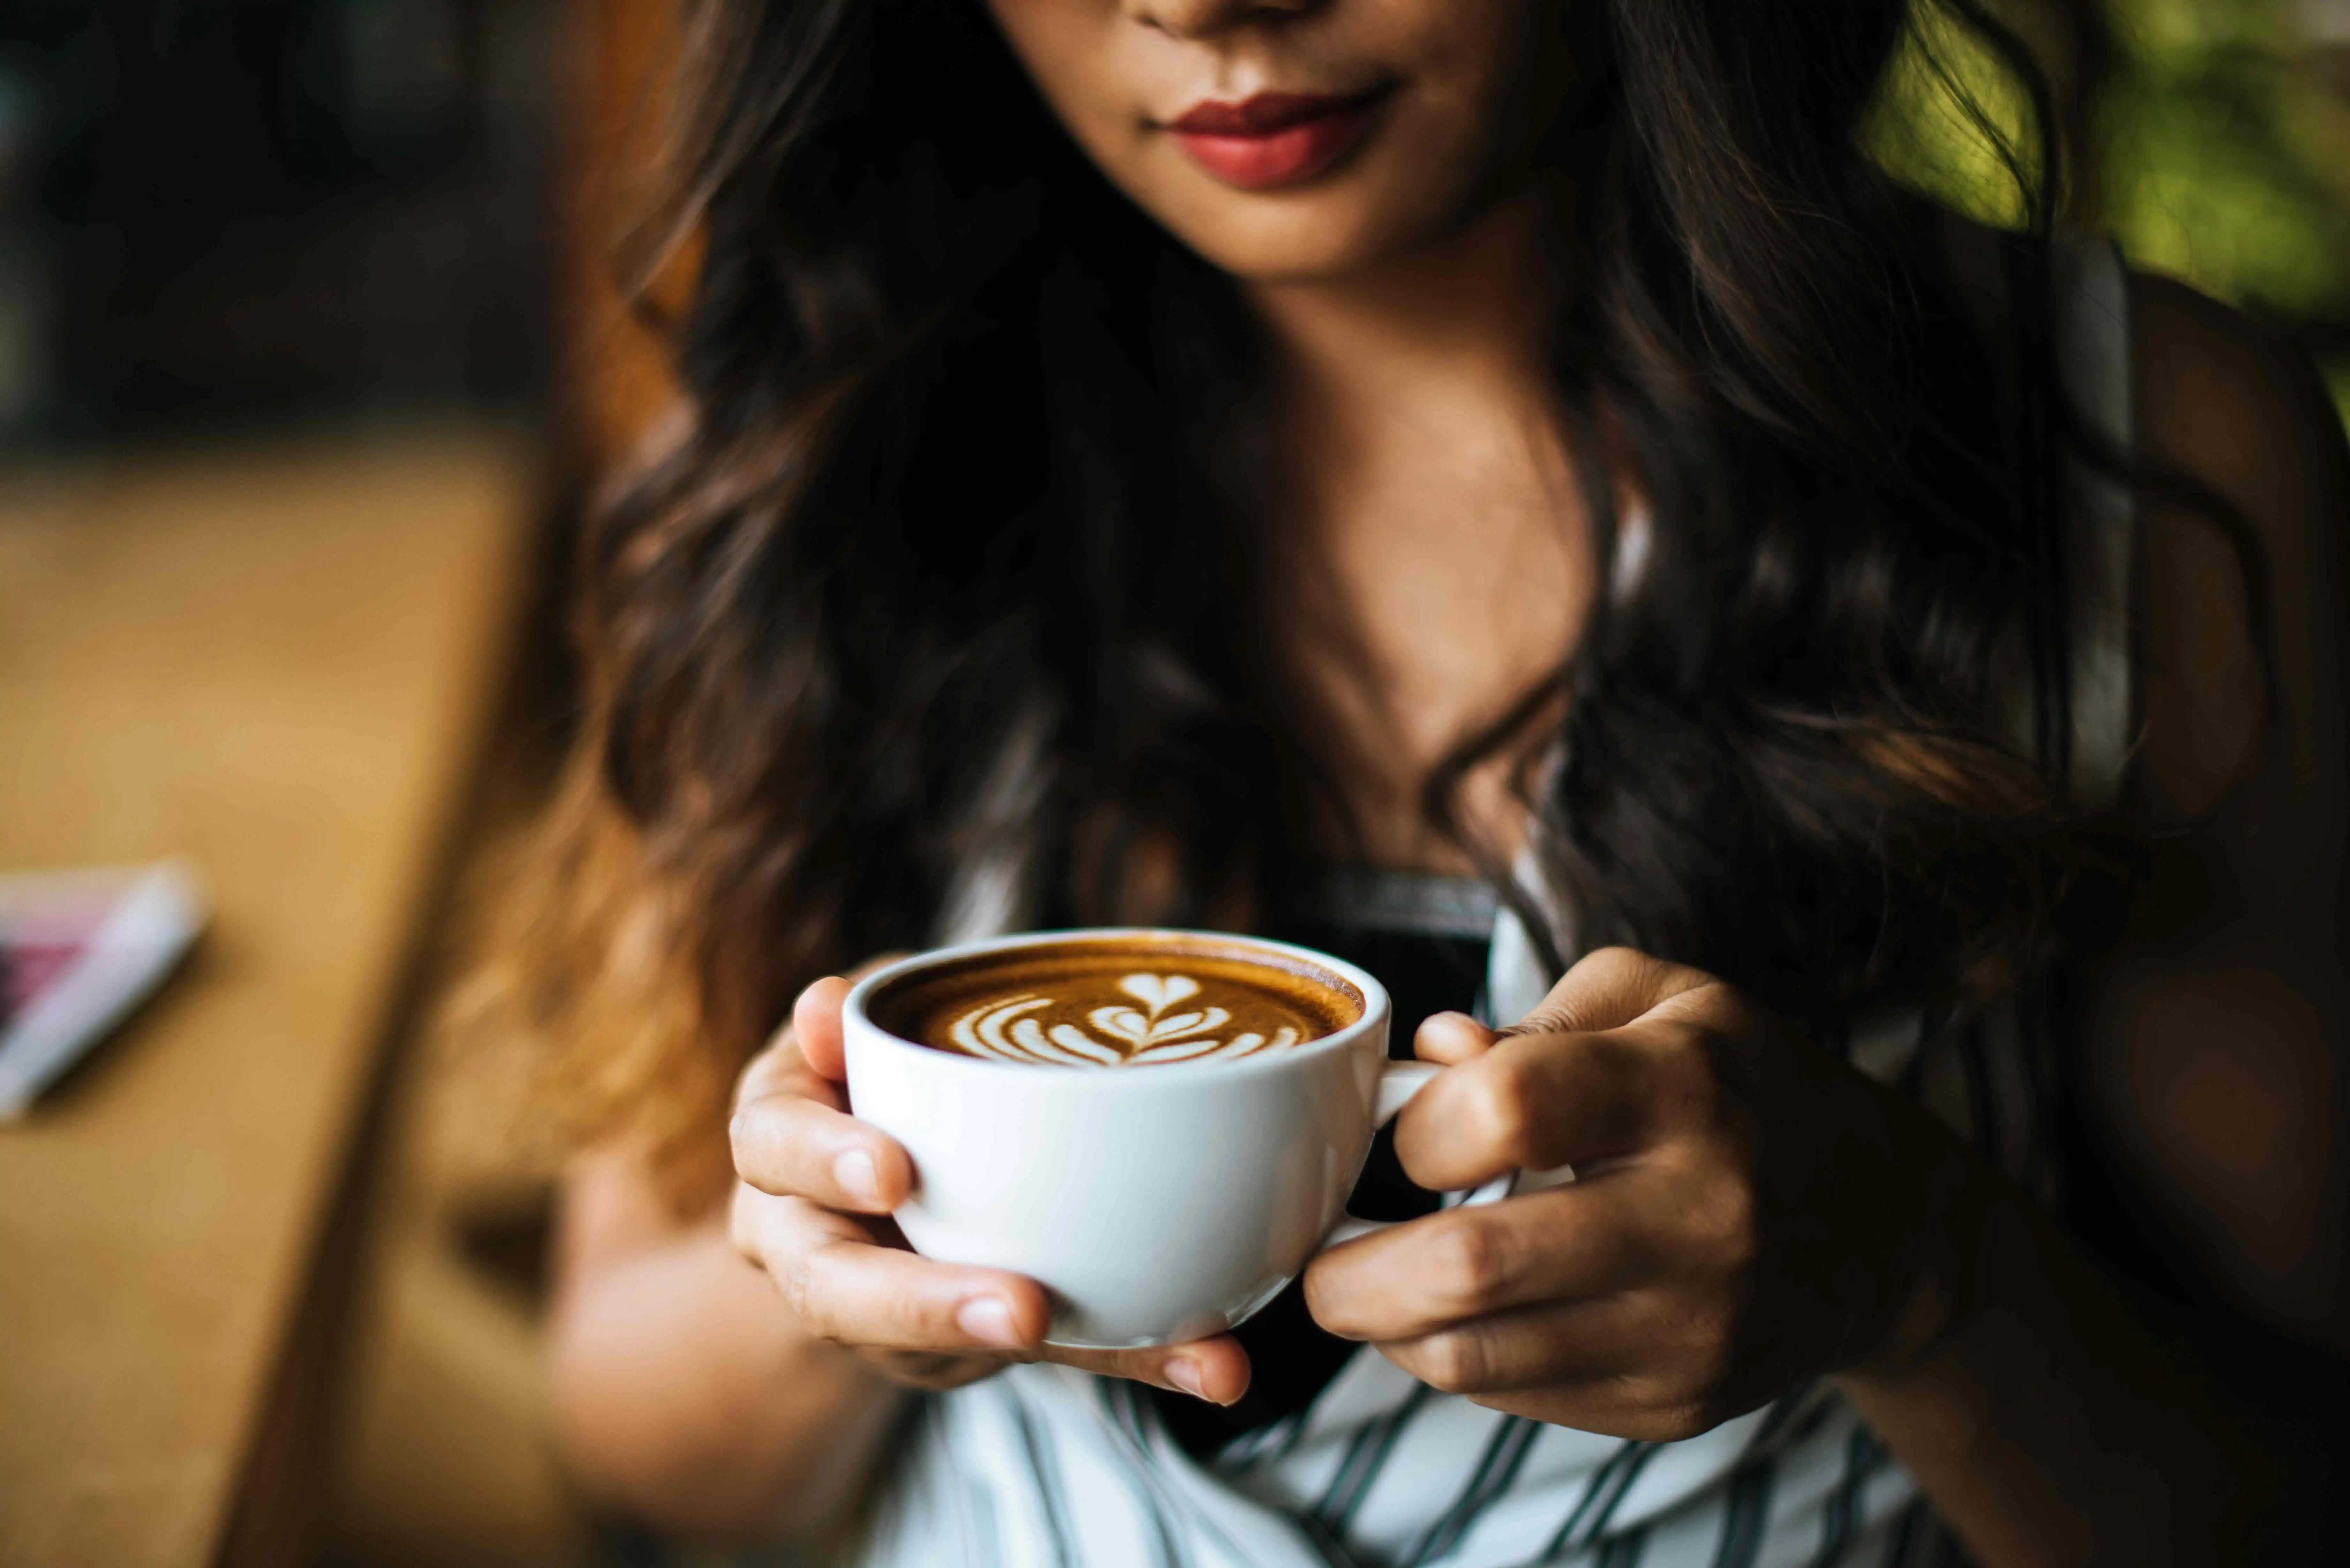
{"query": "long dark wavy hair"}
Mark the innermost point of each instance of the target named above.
(952, 487)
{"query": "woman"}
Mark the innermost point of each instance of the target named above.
(1507, 492)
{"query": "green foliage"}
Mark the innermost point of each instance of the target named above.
(1954, 123)
(2223, 156)
(2225, 159)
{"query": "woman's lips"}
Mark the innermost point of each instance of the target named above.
(1274, 139)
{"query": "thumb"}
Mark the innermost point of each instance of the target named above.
(815, 1019)
(815, 1025)
(1449, 1039)
(1607, 990)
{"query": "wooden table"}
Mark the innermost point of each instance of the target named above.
(278, 661)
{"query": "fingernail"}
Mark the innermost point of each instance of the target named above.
(1185, 1374)
(988, 1320)
(854, 1172)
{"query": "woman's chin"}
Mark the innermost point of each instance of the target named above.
(1299, 242)
(1275, 265)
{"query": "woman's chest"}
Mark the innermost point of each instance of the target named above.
(1415, 600)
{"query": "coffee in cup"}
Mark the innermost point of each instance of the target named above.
(1104, 1004)
(1158, 1205)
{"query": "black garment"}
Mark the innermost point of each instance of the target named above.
(1426, 971)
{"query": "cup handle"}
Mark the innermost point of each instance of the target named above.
(1397, 1083)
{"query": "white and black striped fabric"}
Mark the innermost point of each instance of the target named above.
(1043, 1466)
(1046, 1468)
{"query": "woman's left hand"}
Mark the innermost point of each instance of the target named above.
(1750, 1210)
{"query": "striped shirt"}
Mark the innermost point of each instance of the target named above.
(1042, 1466)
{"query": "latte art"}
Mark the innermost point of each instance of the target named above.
(1116, 1036)
(1114, 1001)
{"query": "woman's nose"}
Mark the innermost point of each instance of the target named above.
(1205, 18)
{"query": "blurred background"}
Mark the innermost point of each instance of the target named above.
(216, 215)
(321, 286)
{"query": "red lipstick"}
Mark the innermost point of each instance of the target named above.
(1274, 139)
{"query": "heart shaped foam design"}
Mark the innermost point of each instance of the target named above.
(1002, 1029)
(1133, 1028)
(1158, 991)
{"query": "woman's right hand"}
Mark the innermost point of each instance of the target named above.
(812, 1208)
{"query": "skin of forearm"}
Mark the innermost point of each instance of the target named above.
(682, 1394)
(2050, 1425)
(2213, 1054)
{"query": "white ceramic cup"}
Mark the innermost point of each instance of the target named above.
(1157, 1204)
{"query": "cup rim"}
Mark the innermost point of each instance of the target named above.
(1376, 1004)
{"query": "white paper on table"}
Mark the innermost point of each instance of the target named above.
(84, 948)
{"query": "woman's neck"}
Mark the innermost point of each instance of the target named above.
(1473, 310)
(1426, 538)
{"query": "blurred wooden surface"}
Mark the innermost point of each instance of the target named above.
(277, 661)
(437, 1432)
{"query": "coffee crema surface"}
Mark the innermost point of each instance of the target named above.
(1119, 1004)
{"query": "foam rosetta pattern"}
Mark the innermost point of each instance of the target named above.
(1166, 1020)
